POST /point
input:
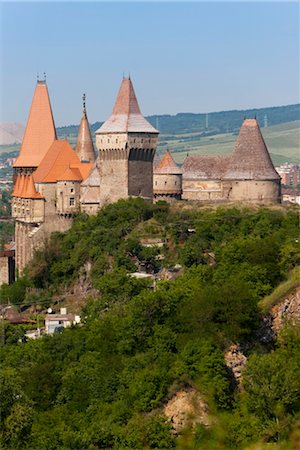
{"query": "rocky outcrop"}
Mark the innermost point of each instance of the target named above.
(235, 361)
(287, 311)
(186, 408)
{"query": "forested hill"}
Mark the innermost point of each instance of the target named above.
(106, 384)
(215, 122)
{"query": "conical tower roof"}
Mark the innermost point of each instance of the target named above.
(85, 147)
(40, 130)
(250, 159)
(167, 165)
(126, 115)
(25, 188)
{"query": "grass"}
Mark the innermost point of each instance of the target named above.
(283, 142)
(281, 291)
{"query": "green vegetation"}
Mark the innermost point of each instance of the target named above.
(103, 384)
(282, 290)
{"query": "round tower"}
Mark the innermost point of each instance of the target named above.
(167, 179)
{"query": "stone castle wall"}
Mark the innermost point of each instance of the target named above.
(203, 190)
(68, 197)
(253, 191)
(113, 167)
(250, 191)
(140, 173)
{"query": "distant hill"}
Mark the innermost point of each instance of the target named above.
(11, 133)
(212, 123)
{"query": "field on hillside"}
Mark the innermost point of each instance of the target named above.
(283, 142)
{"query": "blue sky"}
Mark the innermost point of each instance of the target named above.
(182, 57)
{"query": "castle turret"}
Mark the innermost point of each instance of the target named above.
(167, 179)
(127, 143)
(39, 133)
(28, 206)
(85, 147)
(251, 168)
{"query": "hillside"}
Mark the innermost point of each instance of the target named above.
(186, 132)
(149, 349)
(215, 122)
(11, 133)
(283, 142)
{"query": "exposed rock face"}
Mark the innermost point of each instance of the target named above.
(186, 408)
(287, 310)
(235, 360)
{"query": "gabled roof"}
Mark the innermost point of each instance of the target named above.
(84, 169)
(25, 188)
(85, 147)
(167, 165)
(56, 161)
(250, 159)
(205, 167)
(40, 130)
(126, 115)
(70, 174)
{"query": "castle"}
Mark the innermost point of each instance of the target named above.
(53, 181)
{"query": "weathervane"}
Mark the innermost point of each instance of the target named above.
(83, 102)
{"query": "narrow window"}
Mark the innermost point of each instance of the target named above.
(72, 201)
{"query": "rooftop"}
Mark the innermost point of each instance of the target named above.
(40, 129)
(126, 115)
(167, 165)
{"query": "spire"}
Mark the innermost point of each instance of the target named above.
(25, 187)
(167, 165)
(126, 102)
(84, 147)
(40, 129)
(126, 115)
(250, 159)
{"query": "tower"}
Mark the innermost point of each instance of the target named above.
(167, 179)
(85, 147)
(39, 133)
(27, 204)
(250, 170)
(126, 143)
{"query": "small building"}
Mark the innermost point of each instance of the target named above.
(291, 196)
(54, 323)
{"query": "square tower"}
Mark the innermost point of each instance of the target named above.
(126, 143)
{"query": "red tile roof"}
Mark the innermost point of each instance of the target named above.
(126, 115)
(40, 130)
(25, 188)
(58, 158)
(167, 165)
(70, 175)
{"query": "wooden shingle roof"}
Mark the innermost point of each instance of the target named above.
(126, 115)
(250, 159)
(84, 146)
(205, 167)
(167, 165)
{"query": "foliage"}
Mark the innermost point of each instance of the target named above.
(103, 384)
